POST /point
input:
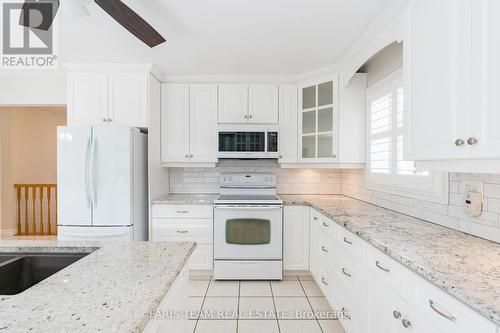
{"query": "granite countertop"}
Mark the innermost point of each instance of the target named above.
(113, 289)
(186, 199)
(464, 266)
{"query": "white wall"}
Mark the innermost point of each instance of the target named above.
(28, 153)
(33, 88)
(289, 181)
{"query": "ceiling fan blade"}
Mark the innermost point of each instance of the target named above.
(131, 21)
(38, 14)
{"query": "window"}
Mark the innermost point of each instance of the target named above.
(387, 171)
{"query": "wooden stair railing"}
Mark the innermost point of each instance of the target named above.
(36, 209)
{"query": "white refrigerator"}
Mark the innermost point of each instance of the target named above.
(101, 183)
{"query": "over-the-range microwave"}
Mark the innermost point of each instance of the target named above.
(248, 141)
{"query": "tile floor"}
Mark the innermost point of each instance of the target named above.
(294, 305)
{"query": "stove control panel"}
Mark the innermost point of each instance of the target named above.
(256, 180)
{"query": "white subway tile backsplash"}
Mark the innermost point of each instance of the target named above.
(450, 215)
(289, 181)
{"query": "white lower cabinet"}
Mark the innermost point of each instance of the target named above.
(296, 238)
(373, 293)
(186, 223)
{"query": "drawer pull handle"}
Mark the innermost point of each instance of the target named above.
(347, 241)
(182, 212)
(377, 263)
(345, 273)
(323, 281)
(182, 231)
(396, 314)
(346, 313)
(406, 323)
(315, 218)
(324, 249)
(326, 224)
(433, 307)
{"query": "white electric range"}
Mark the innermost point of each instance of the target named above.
(248, 228)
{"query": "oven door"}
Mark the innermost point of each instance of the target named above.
(248, 232)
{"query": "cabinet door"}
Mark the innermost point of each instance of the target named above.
(175, 123)
(87, 98)
(385, 309)
(263, 104)
(233, 103)
(203, 123)
(318, 122)
(296, 238)
(288, 124)
(436, 87)
(485, 79)
(314, 243)
(128, 99)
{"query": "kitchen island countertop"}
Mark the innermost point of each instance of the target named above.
(113, 289)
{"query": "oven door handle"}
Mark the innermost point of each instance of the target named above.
(249, 207)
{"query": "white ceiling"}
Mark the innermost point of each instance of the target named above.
(254, 37)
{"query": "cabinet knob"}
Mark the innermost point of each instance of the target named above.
(250, 116)
(281, 156)
(334, 155)
(191, 156)
(459, 142)
(471, 141)
(396, 314)
(246, 116)
(186, 156)
(104, 120)
(406, 323)
(109, 119)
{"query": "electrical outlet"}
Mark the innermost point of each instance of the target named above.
(472, 186)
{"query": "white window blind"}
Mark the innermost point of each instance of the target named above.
(386, 167)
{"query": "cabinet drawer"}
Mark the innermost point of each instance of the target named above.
(183, 211)
(353, 315)
(325, 224)
(388, 270)
(202, 258)
(352, 243)
(444, 311)
(196, 230)
(343, 266)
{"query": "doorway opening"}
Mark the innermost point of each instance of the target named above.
(28, 171)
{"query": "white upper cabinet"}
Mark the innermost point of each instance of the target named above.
(128, 99)
(485, 77)
(188, 124)
(233, 103)
(243, 103)
(202, 123)
(175, 123)
(87, 98)
(435, 73)
(331, 122)
(263, 104)
(288, 123)
(110, 98)
(453, 76)
(318, 121)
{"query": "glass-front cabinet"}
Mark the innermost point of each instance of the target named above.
(318, 121)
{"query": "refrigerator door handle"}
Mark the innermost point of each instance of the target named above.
(93, 193)
(87, 170)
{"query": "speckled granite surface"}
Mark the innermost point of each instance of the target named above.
(187, 199)
(465, 266)
(113, 289)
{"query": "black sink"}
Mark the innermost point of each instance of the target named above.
(24, 271)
